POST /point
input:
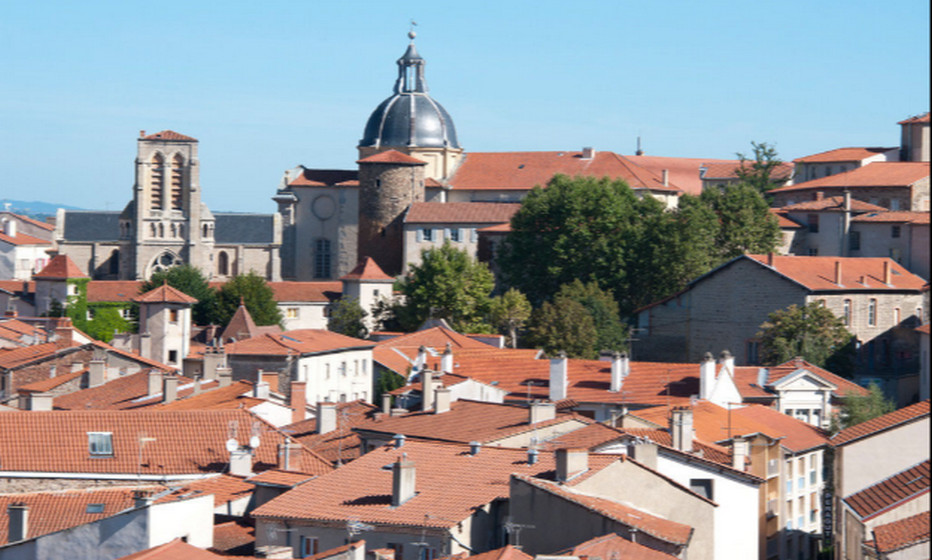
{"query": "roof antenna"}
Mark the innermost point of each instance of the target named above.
(639, 151)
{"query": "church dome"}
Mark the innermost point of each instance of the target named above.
(410, 117)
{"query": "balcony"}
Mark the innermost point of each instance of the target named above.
(773, 508)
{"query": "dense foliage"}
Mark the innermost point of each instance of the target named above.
(811, 331)
(856, 408)
(508, 313)
(348, 317)
(190, 280)
(564, 325)
(759, 171)
(255, 293)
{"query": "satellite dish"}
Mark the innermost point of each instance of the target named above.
(254, 442)
(232, 445)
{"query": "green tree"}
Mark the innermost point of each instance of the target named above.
(811, 331)
(255, 293)
(190, 280)
(761, 172)
(106, 322)
(509, 312)
(861, 408)
(611, 333)
(746, 224)
(387, 381)
(348, 317)
(448, 284)
(563, 325)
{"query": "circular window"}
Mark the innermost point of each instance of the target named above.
(323, 207)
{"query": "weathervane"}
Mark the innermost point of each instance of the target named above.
(411, 33)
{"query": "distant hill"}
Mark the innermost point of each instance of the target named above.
(33, 208)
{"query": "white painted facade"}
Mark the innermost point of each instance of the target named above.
(337, 377)
(805, 396)
(304, 314)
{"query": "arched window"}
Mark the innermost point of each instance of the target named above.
(204, 231)
(322, 258)
(115, 262)
(174, 229)
(223, 264)
(156, 170)
(180, 230)
(161, 230)
(163, 262)
(177, 173)
(152, 230)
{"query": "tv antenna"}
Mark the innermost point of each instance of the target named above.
(516, 528)
(355, 526)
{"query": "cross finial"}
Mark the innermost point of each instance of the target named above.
(411, 33)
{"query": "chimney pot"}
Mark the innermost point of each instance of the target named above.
(532, 456)
(386, 403)
(558, 377)
(706, 376)
(770, 259)
(838, 273)
(666, 177)
(446, 361)
(474, 447)
(887, 273)
(326, 417)
(169, 388)
(681, 428)
(442, 397)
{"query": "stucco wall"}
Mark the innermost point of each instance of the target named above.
(868, 461)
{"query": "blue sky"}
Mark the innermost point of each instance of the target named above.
(269, 85)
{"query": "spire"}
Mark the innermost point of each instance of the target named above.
(411, 70)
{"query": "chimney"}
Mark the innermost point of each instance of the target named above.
(728, 363)
(666, 177)
(398, 411)
(288, 455)
(420, 362)
(224, 376)
(558, 377)
(739, 453)
(402, 481)
(155, 382)
(10, 228)
(241, 462)
(621, 367)
(847, 201)
(474, 447)
(387, 403)
(169, 388)
(887, 273)
(398, 440)
(298, 401)
(63, 330)
(681, 428)
(145, 345)
(770, 259)
(261, 389)
(762, 375)
(571, 462)
(96, 372)
(19, 521)
(819, 195)
(142, 133)
(427, 389)
(326, 417)
(141, 498)
(213, 359)
(645, 452)
(540, 411)
(446, 361)
(197, 389)
(37, 401)
(442, 400)
(532, 456)
(706, 376)
(588, 152)
(838, 273)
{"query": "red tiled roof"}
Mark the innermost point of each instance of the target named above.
(59, 268)
(783, 221)
(54, 511)
(165, 294)
(14, 330)
(450, 484)
(882, 423)
(890, 492)
(324, 177)
(729, 170)
(176, 450)
(683, 172)
(797, 435)
(43, 225)
(877, 174)
(392, 156)
(23, 239)
(15, 357)
(237, 537)
(507, 552)
(657, 527)
(923, 118)
(613, 546)
(174, 550)
(236, 395)
(525, 170)
(818, 273)
(169, 135)
(925, 328)
(320, 292)
(843, 155)
(343, 443)
(122, 393)
(278, 477)
(18, 286)
(461, 212)
(50, 383)
(904, 532)
(112, 290)
(898, 216)
(778, 372)
(832, 203)
(224, 487)
(367, 269)
(300, 341)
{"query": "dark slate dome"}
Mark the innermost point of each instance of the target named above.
(410, 117)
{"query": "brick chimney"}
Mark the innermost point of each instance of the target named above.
(681, 428)
(155, 382)
(442, 398)
(558, 377)
(326, 417)
(288, 455)
(298, 401)
(540, 411)
(19, 522)
(571, 462)
(403, 481)
(706, 376)
(838, 273)
(169, 388)
(887, 273)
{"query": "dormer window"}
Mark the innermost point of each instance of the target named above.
(100, 444)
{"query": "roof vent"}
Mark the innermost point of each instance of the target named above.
(532, 456)
(474, 447)
(399, 440)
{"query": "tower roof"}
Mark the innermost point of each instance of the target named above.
(368, 269)
(410, 117)
(165, 294)
(170, 135)
(392, 156)
(61, 267)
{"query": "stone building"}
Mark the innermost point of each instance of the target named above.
(167, 224)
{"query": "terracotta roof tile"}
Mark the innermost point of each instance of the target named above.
(224, 488)
(37, 223)
(18, 286)
(614, 546)
(122, 393)
(278, 477)
(843, 155)
(237, 537)
(818, 273)
(877, 174)
(899, 216)
(923, 118)
(300, 341)
(881, 423)
(176, 450)
(656, 526)
(683, 172)
(174, 550)
(729, 170)
(832, 203)
(324, 177)
(169, 135)
(525, 170)
(23, 239)
(776, 373)
(905, 532)
(236, 395)
(112, 290)
(165, 294)
(461, 212)
(891, 492)
(59, 268)
(392, 156)
(367, 269)
(317, 292)
(783, 221)
(11, 358)
(797, 435)
(507, 552)
(342, 444)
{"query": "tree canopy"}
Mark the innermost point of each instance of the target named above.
(190, 280)
(448, 284)
(563, 325)
(348, 317)
(811, 331)
(759, 171)
(509, 312)
(861, 408)
(745, 223)
(255, 293)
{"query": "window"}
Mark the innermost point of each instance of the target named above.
(753, 351)
(322, 258)
(895, 231)
(223, 263)
(896, 316)
(95, 508)
(326, 371)
(854, 241)
(177, 171)
(342, 397)
(155, 181)
(872, 313)
(173, 356)
(813, 251)
(427, 234)
(701, 486)
(173, 315)
(291, 312)
(846, 316)
(455, 235)
(307, 547)
(789, 487)
(813, 220)
(100, 444)
(342, 369)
